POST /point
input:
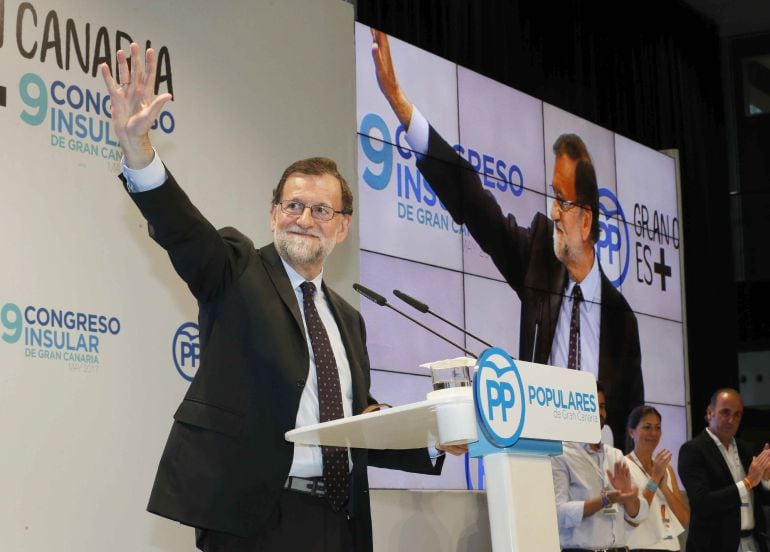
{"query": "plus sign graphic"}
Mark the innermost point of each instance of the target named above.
(663, 269)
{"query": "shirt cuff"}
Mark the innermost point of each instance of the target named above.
(148, 178)
(743, 491)
(418, 132)
(435, 454)
(570, 514)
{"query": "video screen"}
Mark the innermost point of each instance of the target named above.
(411, 242)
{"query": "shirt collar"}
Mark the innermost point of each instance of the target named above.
(589, 286)
(297, 279)
(718, 442)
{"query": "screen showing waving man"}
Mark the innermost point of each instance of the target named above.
(571, 315)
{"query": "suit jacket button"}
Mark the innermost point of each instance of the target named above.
(300, 384)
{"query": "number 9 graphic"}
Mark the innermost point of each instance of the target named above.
(10, 316)
(34, 95)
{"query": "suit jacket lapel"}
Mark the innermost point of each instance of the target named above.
(280, 279)
(716, 458)
(281, 282)
(556, 287)
(744, 453)
(606, 329)
(356, 373)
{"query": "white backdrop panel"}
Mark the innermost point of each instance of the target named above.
(83, 434)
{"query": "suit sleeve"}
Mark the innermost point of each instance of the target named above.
(205, 259)
(637, 382)
(704, 499)
(459, 188)
(409, 460)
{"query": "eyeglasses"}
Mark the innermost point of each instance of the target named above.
(563, 204)
(319, 212)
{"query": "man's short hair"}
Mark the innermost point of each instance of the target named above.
(715, 395)
(316, 166)
(586, 188)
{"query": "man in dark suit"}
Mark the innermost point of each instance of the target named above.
(545, 264)
(279, 350)
(726, 480)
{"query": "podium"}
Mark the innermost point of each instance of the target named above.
(515, 416)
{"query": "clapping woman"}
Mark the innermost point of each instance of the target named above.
(650, 471)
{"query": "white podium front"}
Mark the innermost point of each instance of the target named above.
(515, 416)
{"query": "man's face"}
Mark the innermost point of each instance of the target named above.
(572, 224)
(305, 242)
(602, 409)
(725, 418)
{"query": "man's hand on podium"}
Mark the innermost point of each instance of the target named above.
(454, 450)
(375, 407)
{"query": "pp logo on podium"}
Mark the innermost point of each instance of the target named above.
(499, 394)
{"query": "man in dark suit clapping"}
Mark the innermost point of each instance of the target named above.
(726, 480)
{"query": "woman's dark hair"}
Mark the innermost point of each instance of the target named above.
(633, 421)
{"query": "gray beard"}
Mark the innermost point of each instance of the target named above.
(299, 251)
(560, 246)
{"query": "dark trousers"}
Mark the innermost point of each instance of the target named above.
(300, 522)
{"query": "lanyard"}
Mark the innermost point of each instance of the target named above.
(635, 460)
(600, 470)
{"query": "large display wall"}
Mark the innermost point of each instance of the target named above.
(410, 242)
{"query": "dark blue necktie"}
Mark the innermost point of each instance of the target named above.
(573, 362)
(335, 459)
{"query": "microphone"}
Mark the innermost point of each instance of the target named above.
(422, 307)
(419, 305)
(537, 326)
(371, 295)
(381, 301)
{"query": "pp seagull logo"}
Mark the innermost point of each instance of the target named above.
(186, 350)
(614, 241)
(499, 395)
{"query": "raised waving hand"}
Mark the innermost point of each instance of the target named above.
(134, 104)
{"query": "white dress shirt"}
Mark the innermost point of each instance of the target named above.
(307, 458)
(590, 323)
